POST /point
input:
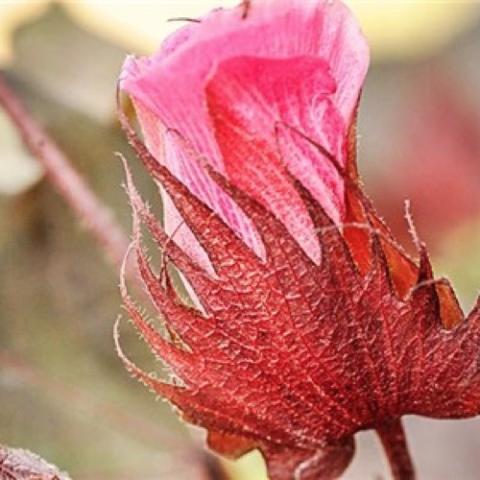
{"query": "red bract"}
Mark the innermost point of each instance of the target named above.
(312, 323)
(18, 464)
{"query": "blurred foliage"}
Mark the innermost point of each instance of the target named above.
(62, 62)
(64, 393)
(420, 141)
(17, 170)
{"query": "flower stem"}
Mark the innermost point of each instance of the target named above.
(392, 436)
(95, 215)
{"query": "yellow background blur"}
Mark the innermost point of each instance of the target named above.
(395, 28)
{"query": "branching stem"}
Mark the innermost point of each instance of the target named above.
(94, 214)
(392, 436)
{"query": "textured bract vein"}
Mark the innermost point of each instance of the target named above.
(313, 324)
(296, 357)
(19, 464)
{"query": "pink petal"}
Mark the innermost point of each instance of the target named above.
(253, 103)
(171, 86)
(186, 165)
(172, 83)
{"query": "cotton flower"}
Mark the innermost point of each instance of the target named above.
(313, 324)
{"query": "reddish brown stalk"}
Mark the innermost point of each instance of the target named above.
(246, 5)
(96, 216)
(392, 436)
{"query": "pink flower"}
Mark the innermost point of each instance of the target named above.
(242, 95)
(314, 323)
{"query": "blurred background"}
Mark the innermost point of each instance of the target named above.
(63, 391)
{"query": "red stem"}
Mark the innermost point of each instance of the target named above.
(97, 217)
(392, 436)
